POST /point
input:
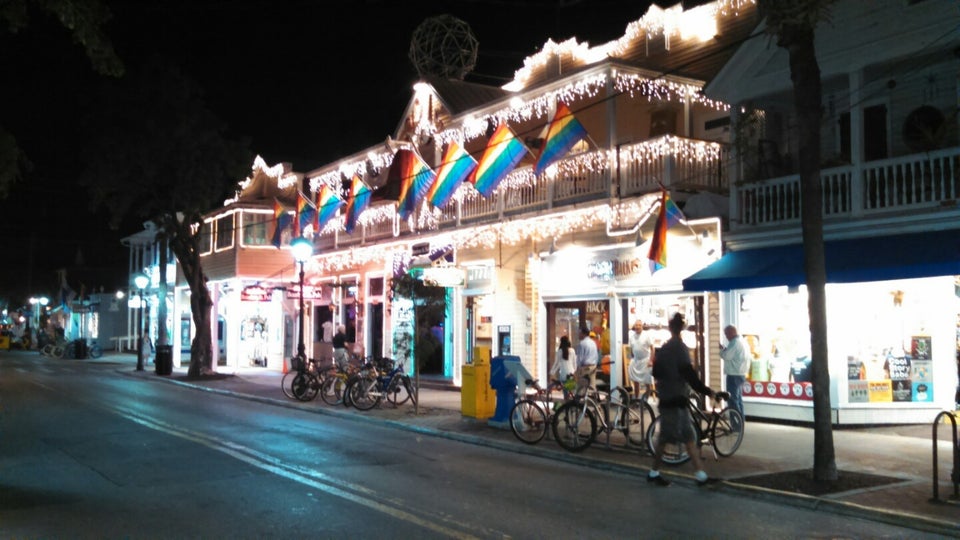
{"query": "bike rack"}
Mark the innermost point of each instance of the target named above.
(955, 473)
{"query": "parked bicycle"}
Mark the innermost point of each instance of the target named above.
(532, 413)
(307, 381)
(720, 428)
(578, 421)
(386, 378)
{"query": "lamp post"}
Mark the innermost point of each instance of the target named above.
(140, 281)
(38, 305)
(302, 251)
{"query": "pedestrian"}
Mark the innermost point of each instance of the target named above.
(641, 360)
(736, 365)
(588, 356)
(675, 377)
(565, 364)
(340, 348)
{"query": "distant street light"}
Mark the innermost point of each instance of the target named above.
(38, 304)
(140, 281)
(302, 251)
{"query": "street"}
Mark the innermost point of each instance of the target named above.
(87, 451)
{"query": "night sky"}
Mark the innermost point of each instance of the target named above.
(306, 81)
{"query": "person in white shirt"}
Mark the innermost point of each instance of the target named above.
(565, 363)
(736, 365)
(641, 359)
(588, 356)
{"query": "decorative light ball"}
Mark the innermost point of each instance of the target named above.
(443, 46)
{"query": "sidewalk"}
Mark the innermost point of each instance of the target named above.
(900, 456)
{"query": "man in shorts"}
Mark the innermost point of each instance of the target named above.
(675, 376)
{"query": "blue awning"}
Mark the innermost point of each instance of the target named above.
(877, 258)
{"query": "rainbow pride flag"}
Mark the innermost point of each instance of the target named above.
(503, 152)
(357, 202)
(306, 213)
(564, 132)
(669, 216)
(327, 205)
(457, 165)
(415, 180)
(281, 220)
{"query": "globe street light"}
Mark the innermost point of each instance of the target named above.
(38, 304)
(302, 251)
(140, 281)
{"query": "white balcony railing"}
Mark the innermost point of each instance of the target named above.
(896, 185)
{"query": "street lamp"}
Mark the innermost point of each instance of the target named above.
(38, 304)
(140, 281)
(302, 251)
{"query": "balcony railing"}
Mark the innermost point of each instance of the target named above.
(912, 183)
(629, 171)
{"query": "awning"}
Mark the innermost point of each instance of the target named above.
(877, 258)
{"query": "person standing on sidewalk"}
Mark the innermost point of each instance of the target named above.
(675, 376)
(340, 348)
(736, 365)
(588, 356)
(641, 357)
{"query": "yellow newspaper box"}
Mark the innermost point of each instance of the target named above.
(477, 399)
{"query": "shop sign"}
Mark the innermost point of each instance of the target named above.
(255, 293)
(479, 279)
(443, 276)
(310, 292)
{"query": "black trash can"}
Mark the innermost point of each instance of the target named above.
(164, 359)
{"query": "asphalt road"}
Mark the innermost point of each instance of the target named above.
(86, 451)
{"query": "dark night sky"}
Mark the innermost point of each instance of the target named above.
(305, 81)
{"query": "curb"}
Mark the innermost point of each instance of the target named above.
(799, 500)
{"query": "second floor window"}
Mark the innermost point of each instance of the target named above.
(255, 229)
(225, 232)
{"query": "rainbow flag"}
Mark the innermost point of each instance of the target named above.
(327, 205)
(670, 215)
(281, 220)
(306, 213)
(564, 132)
(503, 152)
(415, 180)
(457, 165)
(357, 202)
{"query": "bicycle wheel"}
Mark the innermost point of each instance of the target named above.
(333, 389)
(286, 384)
(364, 393)
(397, 391)
(574, 426)
(302, 387)
(639, 427)
(528, 421)
(58, 351)
(95, 351)
(727, 432)
(673, 453)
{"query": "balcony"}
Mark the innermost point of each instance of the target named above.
(918, 183)
(628, 171)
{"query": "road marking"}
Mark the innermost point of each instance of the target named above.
(309, 477)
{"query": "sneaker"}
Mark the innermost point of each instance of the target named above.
(658, 480)
(709, 481)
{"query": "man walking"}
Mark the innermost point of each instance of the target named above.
(675, 376)
(736, 365)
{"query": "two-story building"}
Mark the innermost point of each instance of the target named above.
(890, 180)
(527, 251)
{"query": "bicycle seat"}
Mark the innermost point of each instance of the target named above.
(722, 395)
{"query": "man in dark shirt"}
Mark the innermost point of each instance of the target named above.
(675, 376)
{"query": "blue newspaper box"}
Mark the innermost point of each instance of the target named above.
(504, 381)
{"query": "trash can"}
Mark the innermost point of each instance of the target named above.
(164, 359)
(503, 381)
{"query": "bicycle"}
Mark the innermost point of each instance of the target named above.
(384, 378)
(720, 428)
(576, 423)
(298, 366)
(645, 407)
(532, 413)
(307, 380)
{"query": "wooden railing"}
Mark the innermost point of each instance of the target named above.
(896, 185)
(599, 175)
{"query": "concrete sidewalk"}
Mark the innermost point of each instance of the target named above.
(902, 454)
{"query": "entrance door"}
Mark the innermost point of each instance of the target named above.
(563, 319)
(375, 326)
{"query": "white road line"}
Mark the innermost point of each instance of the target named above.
(315, 479)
